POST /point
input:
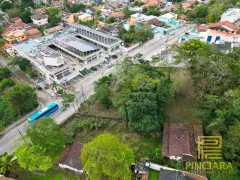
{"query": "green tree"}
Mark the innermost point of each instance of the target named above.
(47, 134)
(7, 163)
(142, 112)
(4, 73)
(22, 63)
(13, 12)
(107, 158)
(32, 158)
(5, 5)
(110, 20)
(76, 7)
(26, 16)
(143, 33)
(98, 12)
(153, 10)
(1, 30)
(53, 15)
(68, 98)
(127, 12)
(102, 91)
(22, 98)
(2, 42)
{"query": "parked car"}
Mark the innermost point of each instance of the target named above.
(110, 65)
(171, 33)
(93, 68)
(39, 80)
(114, 56)
(38, 87)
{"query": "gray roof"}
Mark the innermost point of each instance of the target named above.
(38, 16)
(82, 45)
(173, 175)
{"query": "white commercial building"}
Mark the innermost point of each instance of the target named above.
(232, 15)
(62, 56)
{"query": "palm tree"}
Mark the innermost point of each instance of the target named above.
(218, 124)
(7, 163)
(54, 86)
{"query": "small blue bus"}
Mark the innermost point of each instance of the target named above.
(47, 111)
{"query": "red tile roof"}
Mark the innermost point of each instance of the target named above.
(178, 140)
(116, 14)
(156, 22)
(33, 33)
(224, 23)
(70, 156)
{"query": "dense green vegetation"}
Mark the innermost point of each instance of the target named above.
(42, 145)
(15, 101)
(209, 13)
(107, 158)
(141, 34)
(215, 77)
(139, 91)
(24, 65)
(7, 163)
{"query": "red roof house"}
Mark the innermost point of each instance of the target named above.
(70, 158)
(178, 142)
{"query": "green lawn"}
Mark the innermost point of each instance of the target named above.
(51, 174)
(181, 110)
(153, 175)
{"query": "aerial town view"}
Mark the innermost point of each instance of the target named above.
(119, 90)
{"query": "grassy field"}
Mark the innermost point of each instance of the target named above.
(153, 175)
(143, 146)
(181, 110)
(51, 174)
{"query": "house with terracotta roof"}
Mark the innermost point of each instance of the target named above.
(224, 26)
(152, 3)
(156, 22)
(70, 158)
(33, 33)
(14, 36)
(179, 142)
(15, 23)
(117, 15)
(39, 10)
(2, 177)
(52, 30)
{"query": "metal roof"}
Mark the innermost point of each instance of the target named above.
(82, 45)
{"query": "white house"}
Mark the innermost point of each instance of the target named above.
(39, 19)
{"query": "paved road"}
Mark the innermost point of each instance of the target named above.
(147, 49)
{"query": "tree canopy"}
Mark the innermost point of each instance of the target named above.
(215, 77)
(43, 143)
(139, 91)
(107, 158)
(47, 134)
